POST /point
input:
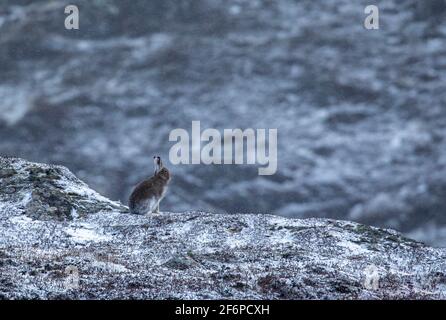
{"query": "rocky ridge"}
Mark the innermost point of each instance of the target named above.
(61, 240)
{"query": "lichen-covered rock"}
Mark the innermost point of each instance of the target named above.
(59, 239)
(48, 191)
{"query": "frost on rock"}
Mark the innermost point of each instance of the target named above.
(48, 192)
(60, 239)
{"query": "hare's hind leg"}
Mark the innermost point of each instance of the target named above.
(158, 203)
(155, 206)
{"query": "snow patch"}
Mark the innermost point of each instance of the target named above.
(352, 247)
(282, 238)
(21, 220)
(82, 235)
(110, 266)
(83, 190)
(26, 199)
(74, 213)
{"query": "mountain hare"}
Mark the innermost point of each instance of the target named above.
(147, 195)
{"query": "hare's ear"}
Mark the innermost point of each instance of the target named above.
(155, 164)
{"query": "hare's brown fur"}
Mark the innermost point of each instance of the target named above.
(147, 194)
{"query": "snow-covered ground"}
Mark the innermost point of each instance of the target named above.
(106, 253)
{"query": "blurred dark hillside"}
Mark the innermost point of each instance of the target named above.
(361, 113)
